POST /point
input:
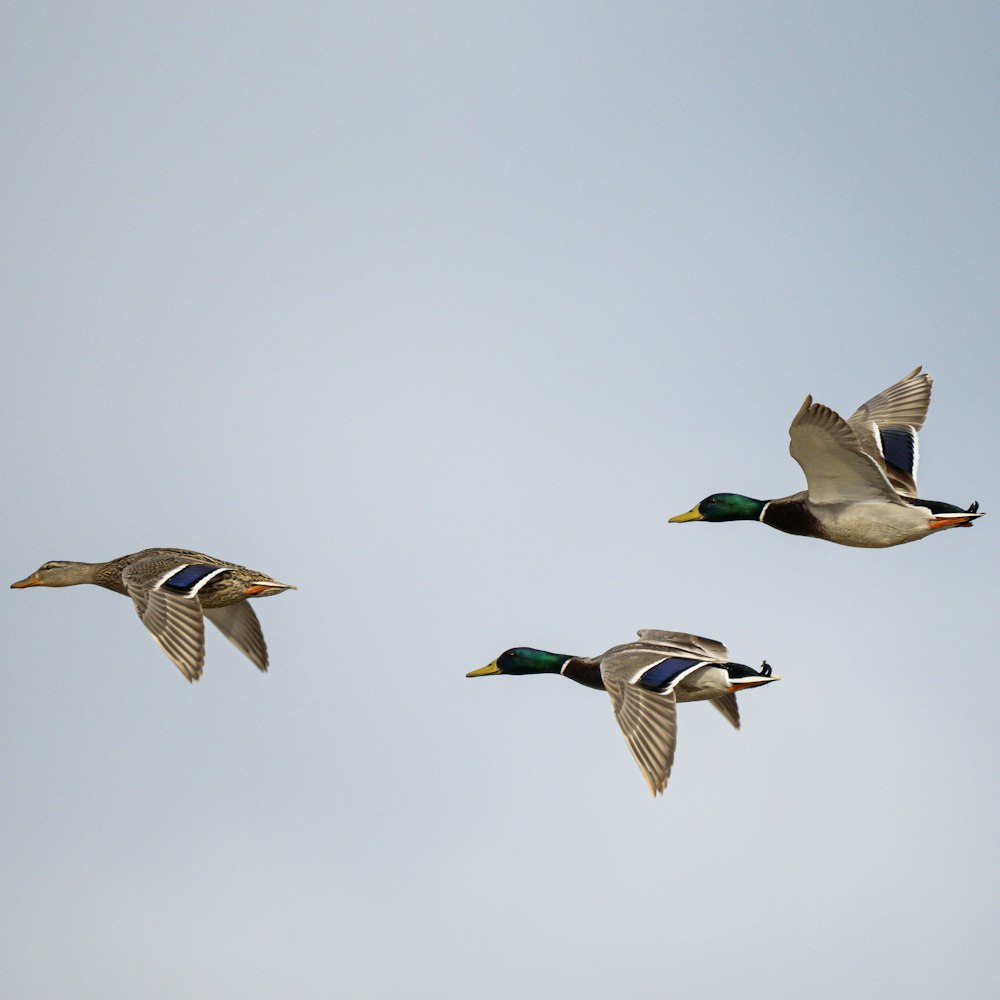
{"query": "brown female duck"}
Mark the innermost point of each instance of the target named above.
(173, 589)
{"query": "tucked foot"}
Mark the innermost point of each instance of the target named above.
(951, 522)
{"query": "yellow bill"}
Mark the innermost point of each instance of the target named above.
(694, 514)
(490, 668)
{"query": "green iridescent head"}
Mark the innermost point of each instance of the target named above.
(723, 507)
(523, 660)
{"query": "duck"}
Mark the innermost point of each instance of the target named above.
(173, 590)
(861, 476)
(645, 680)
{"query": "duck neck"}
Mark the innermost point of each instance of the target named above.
(583, 670)
(792, 515)
(105, 574)
(70, 574)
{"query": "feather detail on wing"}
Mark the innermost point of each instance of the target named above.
(641, 677)
(654, 667)
(887, 425)
(835, 467)
(239, 624)
(683, 643)
(905, 402)
(726, 704)
(649, 724)
(175, 622)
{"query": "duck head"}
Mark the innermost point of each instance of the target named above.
(723, 507)
(57, 574)
(523, 660)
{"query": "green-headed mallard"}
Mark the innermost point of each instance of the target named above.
(861, 475)
(172, 590)
(646, 679)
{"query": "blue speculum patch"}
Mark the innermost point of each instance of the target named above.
(897, 446)
(186, 578)
(658, 677)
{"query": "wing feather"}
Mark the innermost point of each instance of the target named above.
(887, 425)
(239, 624)
(906, 402)
(649, 724)
(683, 643)
(174, 619)
(648, 719)
(835, 467)
(730, 710)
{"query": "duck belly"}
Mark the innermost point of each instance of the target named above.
(874, 525)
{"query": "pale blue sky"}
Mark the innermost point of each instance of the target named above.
(439, 312)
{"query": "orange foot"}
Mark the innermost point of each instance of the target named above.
(950, 522)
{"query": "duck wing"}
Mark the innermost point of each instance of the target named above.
(239, 624)
(705, 650)
(726, 704)
(696, 646)
(887, 425)
(171, 612)
(837, 470)
(640, 678)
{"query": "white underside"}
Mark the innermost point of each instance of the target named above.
(873, 525)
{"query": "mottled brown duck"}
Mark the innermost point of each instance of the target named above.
(173, 591)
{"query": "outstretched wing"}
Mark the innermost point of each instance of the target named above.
(238, 623)
(164, 592)
(836, 469)
(649, 722)
(726, 704)
(640, 677)
(887, 425)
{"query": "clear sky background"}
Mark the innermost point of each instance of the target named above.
(439, 311)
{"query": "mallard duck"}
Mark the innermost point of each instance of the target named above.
(172, 590)
(861, 475)
(646, 679)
